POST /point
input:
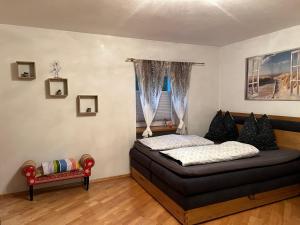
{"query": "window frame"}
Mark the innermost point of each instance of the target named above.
(295, 77)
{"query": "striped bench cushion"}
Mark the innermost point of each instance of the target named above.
(60, 166)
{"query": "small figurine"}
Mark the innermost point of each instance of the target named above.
(25, 74)
(55, 68)
(88, 110)
(170, 124)
(59, 92)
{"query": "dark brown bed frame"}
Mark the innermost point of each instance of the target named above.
(285, 140)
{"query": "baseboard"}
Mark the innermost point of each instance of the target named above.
(64, 186)
(99, 180)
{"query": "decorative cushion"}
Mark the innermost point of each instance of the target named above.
(39, 172)
(265, 139)
(249, 131)
(59, 166)
(217, 131)
(231, 129)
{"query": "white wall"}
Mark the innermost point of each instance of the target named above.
(232, 72)
(33, 127)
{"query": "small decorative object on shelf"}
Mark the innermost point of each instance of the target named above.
(57, 87)
(55, 68)
(25, 70)
(59, 92)
(169, 124)
(87, 105)
(25, 74)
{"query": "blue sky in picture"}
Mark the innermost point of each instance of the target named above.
(274, 64)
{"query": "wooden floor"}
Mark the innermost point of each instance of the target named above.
(123, 201)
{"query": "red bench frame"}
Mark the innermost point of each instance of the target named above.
(29, 171)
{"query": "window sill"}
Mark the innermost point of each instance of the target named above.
(140, 130)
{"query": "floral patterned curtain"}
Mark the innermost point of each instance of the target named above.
(150, 76)
(180, 83)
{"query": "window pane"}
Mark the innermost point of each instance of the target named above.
(163, 112)
(165, 85)
(295, 58)
(164, 107)
(136, 84)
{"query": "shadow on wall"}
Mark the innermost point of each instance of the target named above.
(17, 183)
(14, 71)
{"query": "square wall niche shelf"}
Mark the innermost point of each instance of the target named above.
(57, 87)
(87, 105)
(25, 70)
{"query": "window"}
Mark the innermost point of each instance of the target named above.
(253, 75)
(295, 76)
(164, 110)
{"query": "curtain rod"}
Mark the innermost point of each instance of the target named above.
(194, 63)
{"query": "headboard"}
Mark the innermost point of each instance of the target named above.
(286, 129)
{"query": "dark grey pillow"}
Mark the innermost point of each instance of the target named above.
(217, 131)
(265, 139)
(230, 126)
(249, 131)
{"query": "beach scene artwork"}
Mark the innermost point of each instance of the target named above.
(273, 76)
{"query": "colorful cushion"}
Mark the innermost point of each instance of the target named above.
(39, 171)
(59, 166)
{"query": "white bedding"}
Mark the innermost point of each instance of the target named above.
(173, 141)
(226, 151)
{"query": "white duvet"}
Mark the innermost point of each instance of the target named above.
(226, 151)
(173, 141)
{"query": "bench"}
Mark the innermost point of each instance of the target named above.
(29, 170)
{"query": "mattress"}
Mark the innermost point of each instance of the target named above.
(265, 158)
(207, 198)
(193, 186)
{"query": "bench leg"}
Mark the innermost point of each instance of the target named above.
(31, 192)
(87, 183)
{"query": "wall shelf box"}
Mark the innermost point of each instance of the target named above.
(87, 105)
(57, 87)
(25, 70)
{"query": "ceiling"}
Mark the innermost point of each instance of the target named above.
(205, 22)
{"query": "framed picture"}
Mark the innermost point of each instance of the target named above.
(274, 76)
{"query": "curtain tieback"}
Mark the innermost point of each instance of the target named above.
(147, 132)
(181, 123)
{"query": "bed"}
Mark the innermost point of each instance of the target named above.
(199, 193)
